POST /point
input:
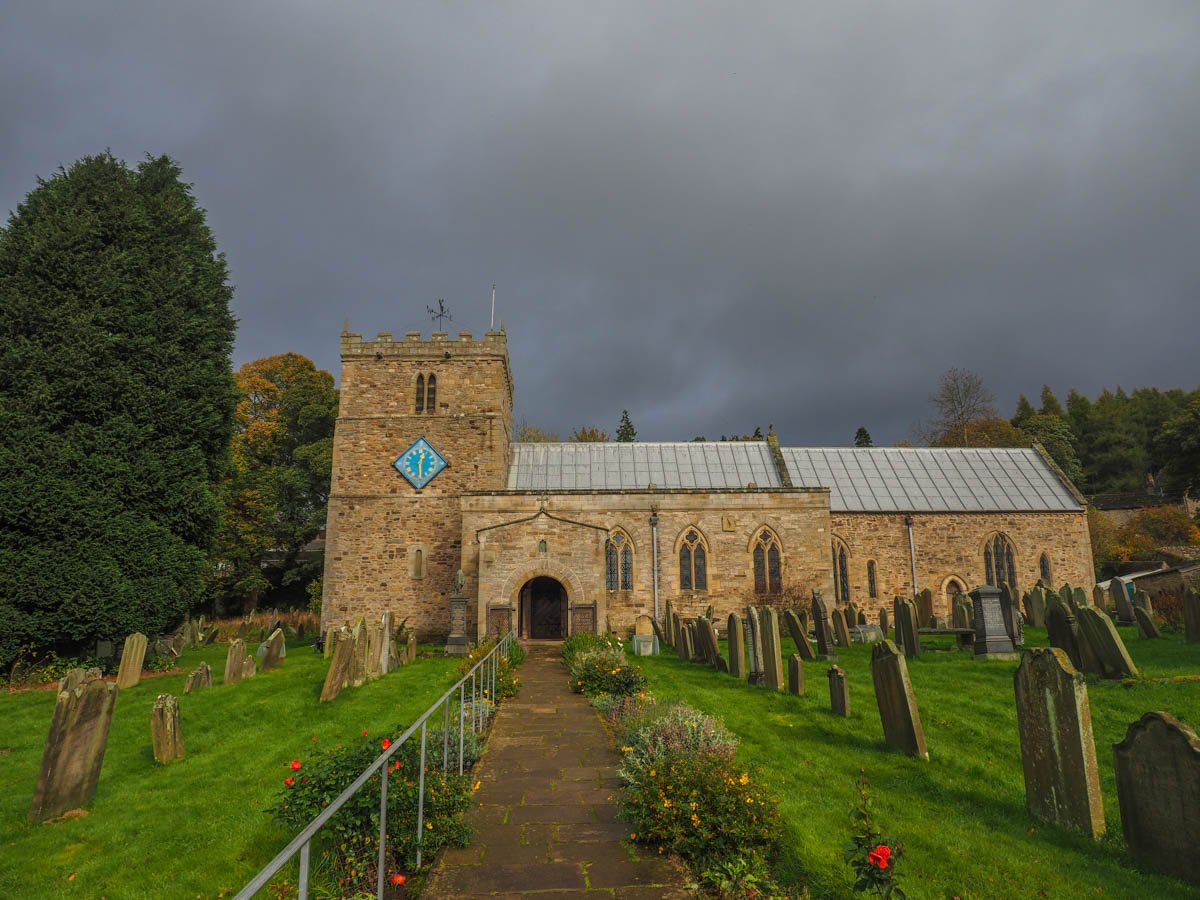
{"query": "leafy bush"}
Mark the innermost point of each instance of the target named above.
(32, 667)
(743, 877)
(585, 641)
(604, 670)
(619, 708)
(507, 682)
(349, 843)
(677, 729)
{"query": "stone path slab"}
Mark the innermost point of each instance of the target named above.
(545, 814)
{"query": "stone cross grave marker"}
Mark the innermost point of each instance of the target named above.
(897, 704)
(274, 651)
(233, 661)
(821, 626)
(772, 655)
(75, 745)
(198, 678)
(1105, 643)
(132, 657)
(798, 634)
(1145, 624)
(165, 732)
(839, 691)
(795, 675)
(841, 633)
(991, 637)
(1158, 788)
(736, 638)
(1058, 752)
(1191, 615)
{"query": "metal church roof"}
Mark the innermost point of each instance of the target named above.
(859, 480)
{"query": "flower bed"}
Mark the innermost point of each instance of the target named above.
(597, 666)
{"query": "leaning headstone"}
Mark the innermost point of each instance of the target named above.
(799, 636)
(1145, 624)
(410, 648)
(897, 704)
(1063, 631)
(274, 650)
(841, 633)
(75, 745)
(1191, 615)
(1141, 600)
(772, 656)
(1106, 643)
(884, 624)
(1158, 788)
(711, 640)
(659, 634)
(165, 732)
(991, 637)
(754, 654)
(924, 604)
(689, 642)
(373, 635)
(327, 644)
(821, 626)
(839, 691)
(233, 661)
(676, 632)
(1058, 753)
(1035, 607)
(198, 678)
(338, 675)
(132, 658)
(795, 675)
(1080, 597)
(736, 639)
(1012, 615)
(1119, 589)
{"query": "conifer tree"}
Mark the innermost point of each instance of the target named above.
(116, 403)
(1050, 404)
(862, 437)
(626, 433)
(1025, 411)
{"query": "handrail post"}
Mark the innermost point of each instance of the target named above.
(446, 736)
(421, 800)
(302, 891)
(381, 880)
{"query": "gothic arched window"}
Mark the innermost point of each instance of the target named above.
(420, 393)
(431, 394)
(693, 562)
(841, 573)
(1044, 566)
(998, 562)
(767, 570)
(618, 562)
(872, 584)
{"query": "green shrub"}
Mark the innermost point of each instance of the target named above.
(585, 641)
(619, 708)
(507, 682)
(349, 842)
(605, 670)
(676, 729)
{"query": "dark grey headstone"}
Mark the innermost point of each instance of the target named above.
(991, 636)
(1191, 615)
(1119, 588)
(924, 608)
(1063, 631)
(1013, 624)
(772, 656)
(907, 635)
(839, 691)
(798, 634)
(822, 628)
(884, 623)
(1145, 624)
(841, 633)
(736, 640)
(1106, 643)
(795, 675)
(897, 704)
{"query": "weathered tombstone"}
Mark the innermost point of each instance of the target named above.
(233, 661)
(211, 635)
(659, 635)
(924, 606)
(839, 691)
(1012, 616)
(820, 611)
(373, 635)
(676, 632)
(1191, 615)
(1058, 752)
(1119, 589)
(754, 654)
(1098, 597)
(410, 648)
(1106, 643)
(958, 615)
(249, 667)
(689, 642)
(802, 616)
(1141, 599)
(772, 656)
(1145, 624)
(1158, 788)
(165, 732)
(1080, 597)
(327, 644)
(841, 633)
(897, 704)
(1063, 631)
(862, 618)
(866, 634)
(884, 624)
(795, 675)
(669, 624)
(386, 650)
(712, 641)
(75, 745)
(132, 657)
(643, 641)
(1036, 607)
(457, 642)
(274, 651)
(736, 639)
(198, 678)
(338, 675)
(907, 634)
(708, 612)
(991, 637)
(799, 636)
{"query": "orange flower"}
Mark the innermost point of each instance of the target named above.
(398, 879)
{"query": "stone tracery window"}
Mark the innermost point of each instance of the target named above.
(693, 562)
(618, 562)
(999, 564)
(767, 570)
(841, 573)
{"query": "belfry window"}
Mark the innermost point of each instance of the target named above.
(618, 562)
(426, 394)
(693, 562)
(420, 394)
(767, 570)
(841, 573)
(998, 563)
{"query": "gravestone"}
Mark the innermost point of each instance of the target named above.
(1191, 615)
(924, 608)
(644, 642)
(689, 642)
(669, 624)
(1063, 631)
(708, 612)
(699, 641)
(897, 704)
(1058, 752)
(1119, 589)
(676, 632)
(1080, 597)
(1141, 599)
(387, 650)
(249, 668)
(659, 635)
(132, 657)
(1145, 623)
(839, 691)
(795, 675)
(841, 634)
(1104, 641)
(772, 654)
(907, 635)
(822, 629)
(358, 655)
(327, 643)
(1158, 788)
(233, 661)
(862, 618)
(958, 615)
(1099, 595)
(198, 678)
(1013, 625)
(866, 634)
(798, 634)
(991, 637)
(165, 732)
(274, 651)
(457, 642)
(1036, 607)
(736, 639)
(884, 624)
(754, 650)
(410, 648)
(715, 659)
(338, 675)
(802, 615)
(75, 745)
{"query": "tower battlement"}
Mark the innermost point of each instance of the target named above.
(493, 343)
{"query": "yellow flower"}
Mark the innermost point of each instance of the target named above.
(626, 749)
(695, 820)
(652, 773)
(633, 836)
(745, 779)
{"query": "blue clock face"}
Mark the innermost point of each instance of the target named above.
(419, 463)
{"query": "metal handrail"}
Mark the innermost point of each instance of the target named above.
(482, 673)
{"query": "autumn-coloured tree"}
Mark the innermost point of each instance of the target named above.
(589, 434)
(961, 400)
(531, 434)
(986, 432)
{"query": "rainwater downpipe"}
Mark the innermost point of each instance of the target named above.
(912, 553)
(654, 553)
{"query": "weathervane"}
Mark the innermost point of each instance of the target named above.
(437, 315)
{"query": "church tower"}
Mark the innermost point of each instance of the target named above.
(420, 422)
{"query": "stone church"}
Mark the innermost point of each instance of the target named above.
(559, 538)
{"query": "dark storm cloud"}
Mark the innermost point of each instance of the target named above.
(716, 216)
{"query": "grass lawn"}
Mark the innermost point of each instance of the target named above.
(195, 828)
(961, 817)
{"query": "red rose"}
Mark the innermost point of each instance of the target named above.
(385, 743)
(295, 764)
(289, 781)
(879, 856)
(364, 732)
(398, 879)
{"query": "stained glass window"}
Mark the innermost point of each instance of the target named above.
(872, 587)
(999, 562)
(844, 574)
(767, 569)
(685, 568)
(420, 393)
(693, 563)
(626, 569)
(1044, 565)
(610, 566)
(774, 570)
(431, 395)
(618, 562)
(760, 570)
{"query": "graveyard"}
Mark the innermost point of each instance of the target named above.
(199, 825)
(961, 816)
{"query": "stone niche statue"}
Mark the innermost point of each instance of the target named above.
(460, 582)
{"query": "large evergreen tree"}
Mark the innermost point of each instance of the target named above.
(626, 433)
(116, 403)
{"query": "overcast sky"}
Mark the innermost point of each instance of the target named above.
(714, 215)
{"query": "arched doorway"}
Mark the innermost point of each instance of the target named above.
(543, 609)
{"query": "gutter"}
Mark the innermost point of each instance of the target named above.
(654, 553)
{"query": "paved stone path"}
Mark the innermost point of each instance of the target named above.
(545, 815)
